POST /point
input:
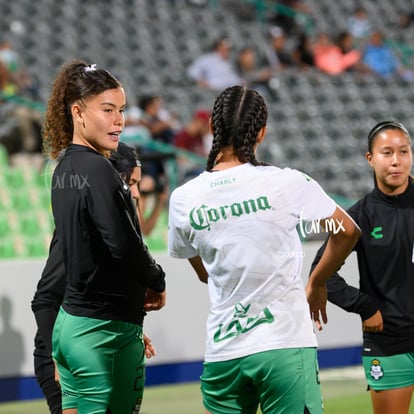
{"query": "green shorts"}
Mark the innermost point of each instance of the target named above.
(101, 364)
(279, 381)
(389, 372)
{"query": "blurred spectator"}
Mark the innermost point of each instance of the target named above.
(194, 137)
(11, 65)
(405, 19)
(382, 61)
(152, 202)
(330, 59)
(302, 54)
(345, 41)
(359, 25)
(4, 78)
(214, 70)
(21, 124)
(191, 136)
(160, 122)
(277, 54)
(135, 132)
(162, 127)
(251, 75)
(293, 16)
(21, 82)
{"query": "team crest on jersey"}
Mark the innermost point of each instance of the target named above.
(376, 369)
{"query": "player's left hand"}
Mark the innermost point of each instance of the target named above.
(149, 348)
(317, 297)
(154, 300)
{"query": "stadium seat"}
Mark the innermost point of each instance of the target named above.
(7, 249)
(35, 246)
(5, 226)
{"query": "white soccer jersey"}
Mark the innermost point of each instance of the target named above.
(242, 222)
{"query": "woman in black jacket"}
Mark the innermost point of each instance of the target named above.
(112, 279)
(385, 253)
(51, 289)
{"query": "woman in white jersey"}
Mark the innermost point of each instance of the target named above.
(236, 223)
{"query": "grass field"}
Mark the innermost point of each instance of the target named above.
(343, 390)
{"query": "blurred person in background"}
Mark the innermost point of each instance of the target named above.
(161, 123)
(302, 53)
(329, 57)
(346, 43)
(215, 70)
(382, 61)
(253, 76)
(359, 25)
(153, 186)
(194, 137)
(22, 138)
(278, 56)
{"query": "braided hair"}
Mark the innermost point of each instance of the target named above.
(238, 116)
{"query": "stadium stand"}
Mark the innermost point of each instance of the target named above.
(317, 123)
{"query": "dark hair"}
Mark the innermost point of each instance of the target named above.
(125, 159)
(75, 82)
(218, 42)
(238, 115)
(381, 126)
(146, 100)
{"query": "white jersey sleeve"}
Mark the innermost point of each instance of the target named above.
(307, 198)
(178, 244)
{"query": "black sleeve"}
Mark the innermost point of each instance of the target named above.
(111, 210)
(51, 286)
(347, 297)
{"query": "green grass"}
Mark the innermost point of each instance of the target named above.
(344, 393)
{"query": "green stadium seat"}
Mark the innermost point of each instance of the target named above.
(44, 200)
(4, 156)
(29, 224)
(14, 178)
(20, 200)
(7, 248)
(35, 246)
(5, 226)
(4, 199)
(156, 244)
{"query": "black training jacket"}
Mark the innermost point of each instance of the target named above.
(51, 286)
(385, 254)
(108, 266)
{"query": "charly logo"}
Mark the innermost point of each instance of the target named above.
(376, 233)
(242, 322)
(202, 217)
(320, 226)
